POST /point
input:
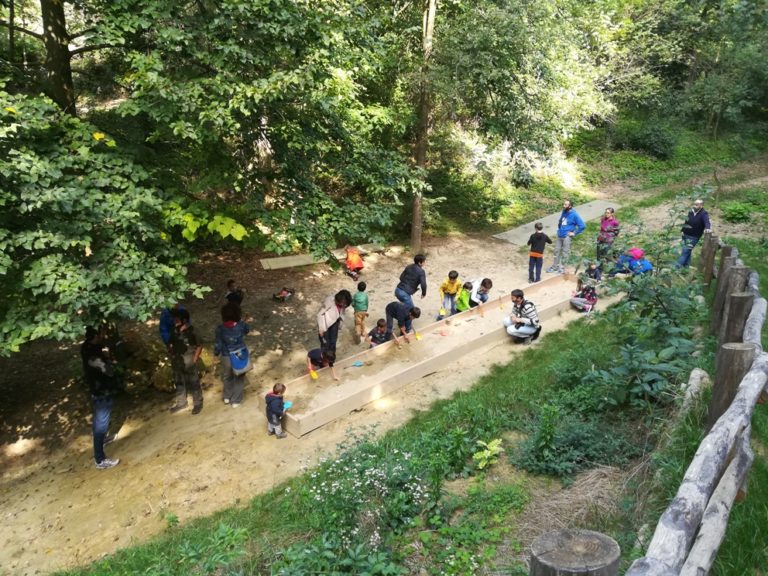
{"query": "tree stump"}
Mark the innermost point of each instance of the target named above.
(731, 365)
(574, 553)
(737, 308)
(723, 280)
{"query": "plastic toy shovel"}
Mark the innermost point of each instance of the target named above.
(417, 335)
(313, 374)
(287, 404)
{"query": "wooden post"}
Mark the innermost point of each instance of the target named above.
(725, 252)
(709, 260)
(732, 363)
(576, 553)
(706, 247)
(723, 279)
(737, 308)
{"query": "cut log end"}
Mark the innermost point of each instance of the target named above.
(574, 552)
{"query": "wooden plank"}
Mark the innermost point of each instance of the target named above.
(307, 259)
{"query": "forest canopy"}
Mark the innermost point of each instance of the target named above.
(137, 132)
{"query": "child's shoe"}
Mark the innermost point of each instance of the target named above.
(281, 435)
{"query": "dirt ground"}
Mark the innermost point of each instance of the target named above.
(58, 511)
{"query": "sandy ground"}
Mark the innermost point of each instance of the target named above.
(58, 511)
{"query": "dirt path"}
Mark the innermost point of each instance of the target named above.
(59, 511)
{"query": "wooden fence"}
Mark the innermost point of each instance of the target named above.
(691, 529)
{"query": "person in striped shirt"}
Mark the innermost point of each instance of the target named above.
(523, 324)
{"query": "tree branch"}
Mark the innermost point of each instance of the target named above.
(84, 49)
(81, 33)
(22, 30)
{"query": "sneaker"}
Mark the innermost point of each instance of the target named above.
(235, 404)
(197, 409)
(226, 400)
(536, 334)
(109, 438)
(281, 435)
(107, 463)
(531, 280)
(551, 269)
(270, 432)
(177, 408)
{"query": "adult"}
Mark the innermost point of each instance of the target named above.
(230, 337)
(696, 224)
(569, 225)
(412, 278)
(102, 382)
(330, 317)
(167, 322)
(404, 316)
(480, 292)
(609, 229)
(523, 323)
(185, 351)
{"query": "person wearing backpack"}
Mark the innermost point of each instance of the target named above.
(230, 339)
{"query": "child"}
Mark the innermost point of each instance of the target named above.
(632, 262)
(275, 411)
(378, 335)
(585, 299)
(234, 293)
(593, 275)
(284, 295)
(537, 242)
(480, 292)
(360, 306)
(462, 301)
(354, 261)
(185, 350)
(404, 316)
(318, 358)
(449, 290)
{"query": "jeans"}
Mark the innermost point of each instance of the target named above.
(234, 384)
(274, 424)
(562, 251)
(102, 410)
(523, 332)
(449, 304)
(482, 296)
(331, 336)
(534, 268)
(688, 243)
(581, 304)
(404, 297)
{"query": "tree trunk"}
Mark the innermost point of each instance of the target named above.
(57, 57)
(425, 112)
(11, 31)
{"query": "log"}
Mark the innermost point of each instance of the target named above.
(575, 553)
(679, 523)
(707, 246)
(723, 281)
(713, 526)
(753, 284)
(753, 328)
(738, 306)
(732, 363)
(708, 260)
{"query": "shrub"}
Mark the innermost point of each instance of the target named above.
(737, 211)
(561, 445)
(647, 136)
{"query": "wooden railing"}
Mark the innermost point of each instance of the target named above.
(689, 533)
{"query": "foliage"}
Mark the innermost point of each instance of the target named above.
(648, 136)
(488, 453)
(562, 444)
(737, 211)
(84, 235)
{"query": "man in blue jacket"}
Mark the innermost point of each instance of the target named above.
(569, 225)
(696, 224)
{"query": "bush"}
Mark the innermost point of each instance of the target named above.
(646, 136)
(561, 445)
(737, 211)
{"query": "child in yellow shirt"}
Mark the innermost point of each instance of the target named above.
(449, 291)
